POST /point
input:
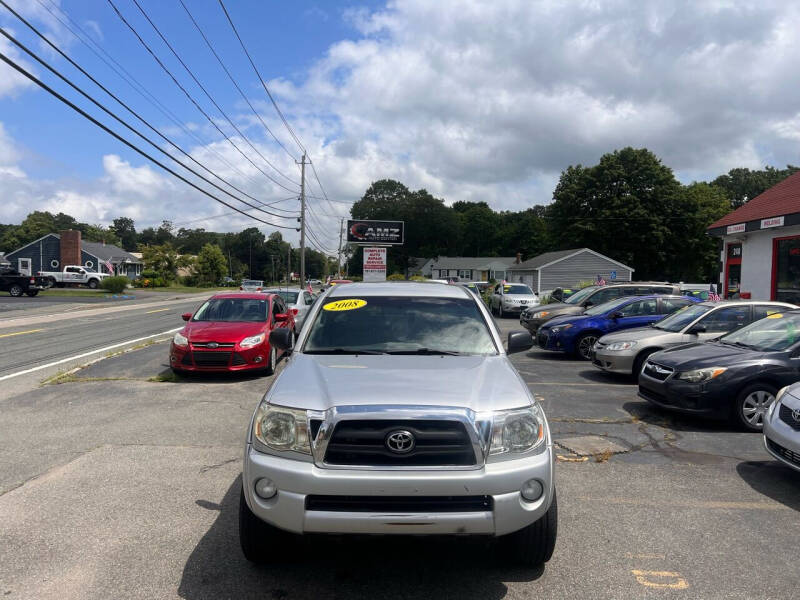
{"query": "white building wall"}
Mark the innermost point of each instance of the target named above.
(757, 259)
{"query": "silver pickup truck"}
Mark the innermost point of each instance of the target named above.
(399, 412)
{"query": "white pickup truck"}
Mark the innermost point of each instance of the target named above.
(75, 275)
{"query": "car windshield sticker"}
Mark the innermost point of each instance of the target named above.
(348, 304)
(506, 288)
(776, 315)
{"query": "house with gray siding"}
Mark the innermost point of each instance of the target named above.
(471, 268)
(565, 268)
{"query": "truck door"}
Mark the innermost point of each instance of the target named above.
(24, 266)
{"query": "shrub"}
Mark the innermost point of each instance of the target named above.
(418, 278)
(115, 285)
(396, 277)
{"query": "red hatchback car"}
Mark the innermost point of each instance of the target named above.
(230, 332)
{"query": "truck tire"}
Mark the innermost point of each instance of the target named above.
(260, 541)
(32, 293)
(51, 281)
(92, 284)
(534, 545)
(16, 290)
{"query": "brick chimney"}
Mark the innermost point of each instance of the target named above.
(70, 247)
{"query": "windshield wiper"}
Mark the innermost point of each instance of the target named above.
(428, 351)
(344, 351)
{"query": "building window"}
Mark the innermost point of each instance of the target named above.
(465, 274)
(786, 269)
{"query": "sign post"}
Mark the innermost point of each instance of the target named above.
(374, 264)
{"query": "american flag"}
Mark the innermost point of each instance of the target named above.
(310, 291)
(600, 280)
(109, 266)
(713, 296)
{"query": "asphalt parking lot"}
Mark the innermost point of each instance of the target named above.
(119, 480)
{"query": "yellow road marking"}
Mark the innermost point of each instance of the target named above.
(156, 310)
(644, 577)
(20, 333)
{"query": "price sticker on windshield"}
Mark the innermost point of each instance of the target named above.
(775, 316)
(506, 288)
(347, 304)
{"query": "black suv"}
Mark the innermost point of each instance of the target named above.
(533, 318)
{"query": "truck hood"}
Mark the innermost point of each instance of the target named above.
(319, 382)
(700, 355)
(217, 331)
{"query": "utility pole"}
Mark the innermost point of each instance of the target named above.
(339, 261)
(303, 220)
(289, 266)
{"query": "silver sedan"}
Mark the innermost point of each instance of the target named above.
(782, 427)
(298, 300)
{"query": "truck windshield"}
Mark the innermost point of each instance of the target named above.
(248, 310)
(400, 325)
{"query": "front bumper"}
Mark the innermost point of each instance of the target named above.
(782, 442)
(191, 359)
(710, 399)
(614, 362)
(297, 480)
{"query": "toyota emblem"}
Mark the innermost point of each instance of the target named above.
(796, 415)
(400, 442)
(212, 345)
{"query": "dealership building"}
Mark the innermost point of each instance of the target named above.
(760, 255)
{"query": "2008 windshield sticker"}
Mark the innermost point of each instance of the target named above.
(347, 304)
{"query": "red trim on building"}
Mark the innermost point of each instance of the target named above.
(728, 262)
(781, 199)
(773, 291)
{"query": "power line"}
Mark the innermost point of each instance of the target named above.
(233, 81)
(261, 79)
(126, 76)
(208, 94)
(193, 101)
(128, 108)
(131, 145)
(220, 215)
(124, 123)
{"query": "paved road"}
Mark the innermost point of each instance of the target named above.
(31, 339)
(132, 484)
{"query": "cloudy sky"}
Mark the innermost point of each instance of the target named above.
(472, 100)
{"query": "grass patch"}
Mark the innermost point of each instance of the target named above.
(73, 378)
(166, 377)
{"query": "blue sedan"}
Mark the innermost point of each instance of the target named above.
(577, 334)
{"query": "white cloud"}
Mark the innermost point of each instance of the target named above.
(478, 100)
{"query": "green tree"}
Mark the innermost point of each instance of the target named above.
(622, 207)
(124, 229)
(164, 260)
(211, 265)
(741, 185)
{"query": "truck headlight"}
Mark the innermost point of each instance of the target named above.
(517, 430)
(701, 375)
(280, 428)
(253, 340)
(616, 346)
(180, 341)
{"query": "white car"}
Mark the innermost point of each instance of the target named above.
(782, 427)
(251, 285)
(298, 301)
(512, 298)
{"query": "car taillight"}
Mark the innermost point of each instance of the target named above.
(240, 288)
(33, 281)
(294, 311)
(259, 289)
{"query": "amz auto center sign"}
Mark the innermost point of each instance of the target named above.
(375, 232)
(374, 264)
